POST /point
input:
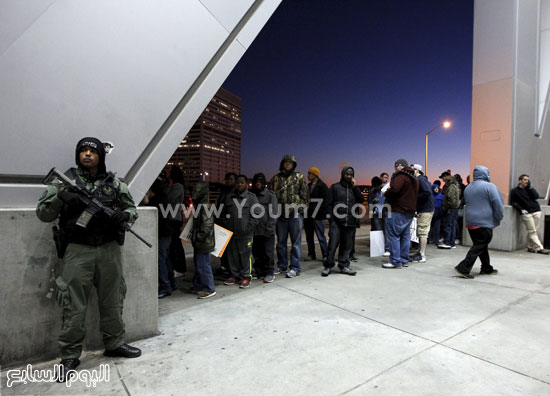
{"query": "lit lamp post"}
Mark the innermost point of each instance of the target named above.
(204, 174)
(446, 125)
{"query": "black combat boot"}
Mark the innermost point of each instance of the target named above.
(124, 350)
(67, 369)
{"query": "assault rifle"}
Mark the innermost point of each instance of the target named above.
(93, 205)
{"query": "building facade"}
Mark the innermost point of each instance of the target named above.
(213, 145)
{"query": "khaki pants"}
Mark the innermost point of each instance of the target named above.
(532, 221)
(423, 222)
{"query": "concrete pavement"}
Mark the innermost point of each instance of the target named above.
(415, 331)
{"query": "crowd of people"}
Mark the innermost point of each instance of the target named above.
(265, 217)
(94, 211)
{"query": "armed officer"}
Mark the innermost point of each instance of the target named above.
(91, 253)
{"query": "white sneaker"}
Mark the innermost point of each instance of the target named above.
(443, 246)
(390, 265)
(423, 259)
(387, 254)
(291, 274)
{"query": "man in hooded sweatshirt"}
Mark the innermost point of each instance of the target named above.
(342, 203)
(292, 194)
(264, 234)
(483, 211)
(402, 197)
(93, 254)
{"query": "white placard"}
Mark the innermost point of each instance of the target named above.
(414, 235)
(221, 235)
(376, 243)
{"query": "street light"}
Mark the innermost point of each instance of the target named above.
(444, 124)
(204, 174)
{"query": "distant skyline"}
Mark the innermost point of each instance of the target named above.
(358, 82)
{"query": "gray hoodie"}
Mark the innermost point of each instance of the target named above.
(484, 203)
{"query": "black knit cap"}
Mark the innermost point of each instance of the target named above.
(402, 162)
(95, 144)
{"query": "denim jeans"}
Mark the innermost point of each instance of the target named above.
(292, 227)
(167, 282)
(203, 280)
(312, 226)
(450, 227)
(398, 234)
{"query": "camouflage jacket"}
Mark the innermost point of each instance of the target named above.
(292, 192)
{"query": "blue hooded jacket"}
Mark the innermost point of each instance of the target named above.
(438, 196)
(484, 203)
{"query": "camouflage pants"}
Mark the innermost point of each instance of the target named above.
(86, 266)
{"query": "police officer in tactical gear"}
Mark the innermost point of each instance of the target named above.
(92, 254)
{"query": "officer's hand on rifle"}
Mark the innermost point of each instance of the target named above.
(120, 217)
(69, 198)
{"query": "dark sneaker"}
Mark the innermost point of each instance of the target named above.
(124, 350)
(415, 258)
(463, 274)
(164, 293)
(310, 258)
(405, 264)
(67, 369)
(269, 278)
(245, 283)
(543, 251)
(326, 271)
(353, 258)
(493, 272)
(531, 250)
(278, 271)
(206, 294)
(347, 271)
(229, 281)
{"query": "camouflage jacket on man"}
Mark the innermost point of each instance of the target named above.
(291, 189)
(451, 192)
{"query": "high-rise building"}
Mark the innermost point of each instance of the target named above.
(213, 145)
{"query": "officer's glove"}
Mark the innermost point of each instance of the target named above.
(69, 198)
(120, 217)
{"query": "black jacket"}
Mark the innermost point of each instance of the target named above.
(525, 199)
(242, 226)
(320, 191)
(268, 199)
(341, 199)
(202, 236)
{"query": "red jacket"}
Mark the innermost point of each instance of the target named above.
(403, 191)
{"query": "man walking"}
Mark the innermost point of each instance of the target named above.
(291, 190)
(524, 199)
(93, 253)
(401, 196)
(316, 214)
(484, 211)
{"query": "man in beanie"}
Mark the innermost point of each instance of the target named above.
(316, 214)
(93, 253)
(401, 196)
(451, 203)
(292, 194)
(424, 212)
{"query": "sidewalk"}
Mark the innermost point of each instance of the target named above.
(415, 331)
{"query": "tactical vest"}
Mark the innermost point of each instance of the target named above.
(100, 229)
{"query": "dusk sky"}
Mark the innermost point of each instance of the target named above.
(360, 81)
